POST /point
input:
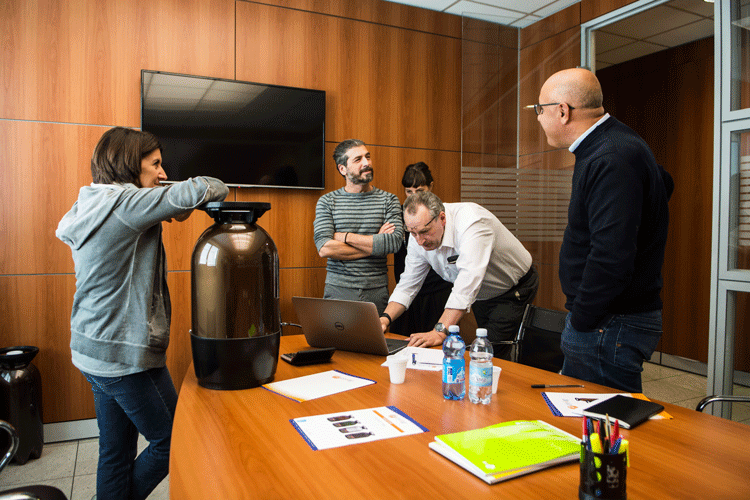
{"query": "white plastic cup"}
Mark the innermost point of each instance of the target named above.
(495, 378)
(397, 368)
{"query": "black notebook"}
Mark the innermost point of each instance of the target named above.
(626, 410)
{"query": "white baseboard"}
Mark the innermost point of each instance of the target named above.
(69, 431)
(692, 366)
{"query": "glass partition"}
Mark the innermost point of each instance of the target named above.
(739, 201)
(740, 55)
(737, 348)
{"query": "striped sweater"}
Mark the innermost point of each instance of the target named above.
(361, 213)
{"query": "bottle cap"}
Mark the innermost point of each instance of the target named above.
(481, 332)
(453, 329)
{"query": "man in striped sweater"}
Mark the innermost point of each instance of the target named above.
(355, 228)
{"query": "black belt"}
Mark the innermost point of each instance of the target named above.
(511, 291)
(526, 277)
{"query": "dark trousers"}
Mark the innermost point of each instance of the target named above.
(502, 315)
(378, 296)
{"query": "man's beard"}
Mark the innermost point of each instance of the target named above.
(362, 178)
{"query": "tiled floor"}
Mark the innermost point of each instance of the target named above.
(686, 389)
(71, 466)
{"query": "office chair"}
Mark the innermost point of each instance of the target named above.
(538, 341)
(37, 492)
(713, 399)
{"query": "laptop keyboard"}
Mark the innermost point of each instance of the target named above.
(395, 345)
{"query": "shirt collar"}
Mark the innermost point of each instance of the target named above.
(448, 229)
(585, 134)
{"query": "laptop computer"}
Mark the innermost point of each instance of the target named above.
(344, 324)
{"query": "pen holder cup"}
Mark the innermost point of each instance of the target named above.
(602, 476)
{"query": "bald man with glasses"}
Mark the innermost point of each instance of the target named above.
(491, 271)
(613, 247)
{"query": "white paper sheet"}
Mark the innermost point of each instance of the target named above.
(571, 404)
(333, 430)
(420, 358)
(317, 385)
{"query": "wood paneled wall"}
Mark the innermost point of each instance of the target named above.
(71, 70)
(591, 9)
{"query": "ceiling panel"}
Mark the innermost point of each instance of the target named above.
(517, 13)
(630, 51)
(651, 22)
(606, 41)
(684, 34)
(667, 25)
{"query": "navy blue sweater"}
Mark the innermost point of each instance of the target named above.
(613, 248)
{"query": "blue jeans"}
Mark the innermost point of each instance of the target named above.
(142, 403)
(613, 355)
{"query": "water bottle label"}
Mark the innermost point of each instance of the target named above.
(480, 376)
(453, 371)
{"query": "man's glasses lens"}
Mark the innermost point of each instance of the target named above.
(424, 228)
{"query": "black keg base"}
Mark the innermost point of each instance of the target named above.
(234, 364)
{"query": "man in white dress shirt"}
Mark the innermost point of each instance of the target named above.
(467, 245)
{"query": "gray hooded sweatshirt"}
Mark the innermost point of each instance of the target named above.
(121, 308)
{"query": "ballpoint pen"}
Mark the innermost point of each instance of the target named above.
(607, 435)
(585, 432)
(547, 386)
(615, 432)
(414, 361)
(615, 449)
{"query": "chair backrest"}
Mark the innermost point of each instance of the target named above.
(31, 492)
(13, 443)
(539, 338)
(713, 399)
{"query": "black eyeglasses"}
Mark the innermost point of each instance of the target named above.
(539, 108)
(424, 229)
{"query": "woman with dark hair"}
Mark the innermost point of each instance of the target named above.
(121, 308)
(429, 304)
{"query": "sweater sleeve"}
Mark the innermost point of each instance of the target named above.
(145, 207)
(323, 227)
(383, 244)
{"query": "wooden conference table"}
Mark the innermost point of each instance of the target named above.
(241, 445)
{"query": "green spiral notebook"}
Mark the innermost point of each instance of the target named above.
(508, 449)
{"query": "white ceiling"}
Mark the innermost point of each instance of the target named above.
(516, 13)
(668, 25)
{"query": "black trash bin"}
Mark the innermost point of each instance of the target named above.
(21, 400)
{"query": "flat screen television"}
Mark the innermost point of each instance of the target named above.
(246, 134)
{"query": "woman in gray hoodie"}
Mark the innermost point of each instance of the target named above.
(121, 308)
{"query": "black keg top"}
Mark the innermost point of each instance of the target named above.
(17, 358)
(235, 211)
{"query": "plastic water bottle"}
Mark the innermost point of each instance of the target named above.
(454, 366)
(480, 369)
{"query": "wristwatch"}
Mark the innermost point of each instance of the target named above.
(440, 328)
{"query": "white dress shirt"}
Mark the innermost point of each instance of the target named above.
(490, 260)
